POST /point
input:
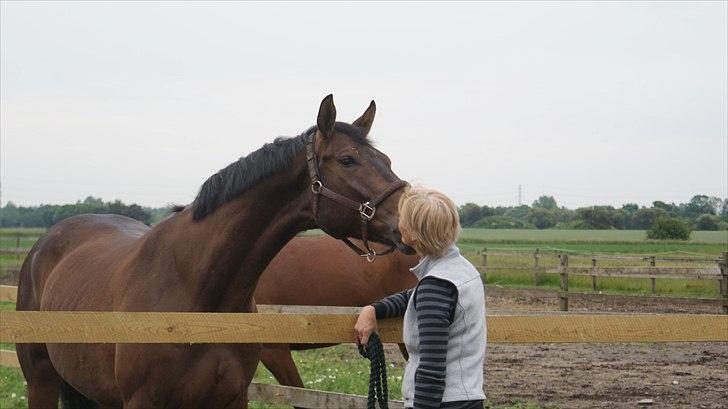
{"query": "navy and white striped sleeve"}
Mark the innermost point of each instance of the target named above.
(394, 305)
(435, 302)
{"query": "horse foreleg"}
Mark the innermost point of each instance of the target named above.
(277, 358)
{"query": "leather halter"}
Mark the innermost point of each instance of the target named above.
(366, 210)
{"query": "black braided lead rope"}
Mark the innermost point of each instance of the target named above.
(374, 351)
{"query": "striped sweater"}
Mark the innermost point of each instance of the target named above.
(435, 303)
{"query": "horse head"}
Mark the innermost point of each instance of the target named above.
(354, 191)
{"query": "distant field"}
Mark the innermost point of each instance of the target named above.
(584, 235)
(471, 240)
(21, 231)
(702, 243)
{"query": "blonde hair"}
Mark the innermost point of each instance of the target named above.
(431, 218)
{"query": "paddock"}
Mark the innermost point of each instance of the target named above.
(305, 324)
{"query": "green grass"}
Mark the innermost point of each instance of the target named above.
(336, 369)
(549, 235)
(17, 237)
(11, 259)
(12, 242)
(702, 244)
(697, 250)
(12, 389)
(12, 384)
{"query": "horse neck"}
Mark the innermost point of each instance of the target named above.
(220, 258)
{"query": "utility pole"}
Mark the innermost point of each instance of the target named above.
(519, 195)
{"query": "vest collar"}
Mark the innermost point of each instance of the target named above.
(427, 262)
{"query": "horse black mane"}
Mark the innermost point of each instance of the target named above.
(239, 176)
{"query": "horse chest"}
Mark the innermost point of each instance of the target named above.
(213, 375)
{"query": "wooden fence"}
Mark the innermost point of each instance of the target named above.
(184, 327)
(653, 272)
(321, 324)
(18, 251)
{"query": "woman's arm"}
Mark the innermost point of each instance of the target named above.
(435, 305)
(392, 306)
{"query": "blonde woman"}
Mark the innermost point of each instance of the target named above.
(444, 314)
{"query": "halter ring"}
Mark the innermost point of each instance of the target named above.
(316, 187)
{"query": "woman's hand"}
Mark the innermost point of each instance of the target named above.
(365, 325)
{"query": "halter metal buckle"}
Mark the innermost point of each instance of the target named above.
(367, 211)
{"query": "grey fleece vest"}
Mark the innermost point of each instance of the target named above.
(466, 345)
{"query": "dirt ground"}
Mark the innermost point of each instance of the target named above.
(671, 375)
(693, 375)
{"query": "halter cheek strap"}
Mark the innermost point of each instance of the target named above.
(366, 210)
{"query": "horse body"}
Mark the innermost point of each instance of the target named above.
(318, 270)
(206, 258)
(52, 281)
(113, 263)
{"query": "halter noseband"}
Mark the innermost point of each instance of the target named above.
(366, 210)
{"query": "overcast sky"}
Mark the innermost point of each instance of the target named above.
(593, 103)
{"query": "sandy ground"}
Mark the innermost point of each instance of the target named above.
(679, 375)
(671, 375)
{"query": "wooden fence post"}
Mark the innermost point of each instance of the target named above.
(535, 268)
(485, 262)
(652, 279)
(724, 281)
(17, 247)
(564, 293)
(593, 270)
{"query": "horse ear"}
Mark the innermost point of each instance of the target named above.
(365, 121)
(326, 116)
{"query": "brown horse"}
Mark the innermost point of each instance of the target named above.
(318, 270)
(206, 258)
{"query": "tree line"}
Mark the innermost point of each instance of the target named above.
(46, 215)
(700, 213)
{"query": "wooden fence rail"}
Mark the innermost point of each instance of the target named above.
(720, 274)
(185, 327)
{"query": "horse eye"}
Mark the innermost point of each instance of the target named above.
(347, 161)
